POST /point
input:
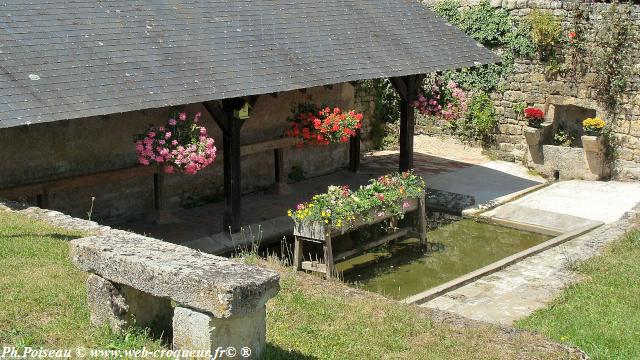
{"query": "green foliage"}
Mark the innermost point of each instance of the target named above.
(479, 120)
(386, 113)
(546, 32)
(495, 29)
(488, 25)
(340, 207)
(482, 114)
(613, 58)
(563, 138)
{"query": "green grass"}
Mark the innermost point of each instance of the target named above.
(600, 314)
(43, 303)
(43, 295)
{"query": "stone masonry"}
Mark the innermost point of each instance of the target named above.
(529, 84)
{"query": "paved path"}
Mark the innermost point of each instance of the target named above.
(520, 289)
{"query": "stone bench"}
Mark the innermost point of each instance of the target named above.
(135, 279)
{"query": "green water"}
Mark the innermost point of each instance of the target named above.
(400, 269)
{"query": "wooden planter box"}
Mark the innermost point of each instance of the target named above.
(323, 233)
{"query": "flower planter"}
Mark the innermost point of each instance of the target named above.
(534, 136)
(591, 143)
(594, 152)
(323, 233)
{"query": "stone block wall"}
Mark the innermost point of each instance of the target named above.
(63, 149)
(531, 84)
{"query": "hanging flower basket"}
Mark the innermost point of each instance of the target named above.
(322, 126)
(182, 145)
(340, 209)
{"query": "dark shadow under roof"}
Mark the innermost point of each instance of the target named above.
(65, 59)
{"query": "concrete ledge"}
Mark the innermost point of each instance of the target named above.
(480, 208)
(496, 266)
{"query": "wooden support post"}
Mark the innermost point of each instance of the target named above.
(328, 257)
(407, 125)
(43, 199)
(280, 186)
(224, 113)
(407, 88)
(297, 253)
(422, 222)
(161, 214)
(354, 152)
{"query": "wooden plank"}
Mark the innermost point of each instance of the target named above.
(354, 152)
(297, 252)
(381, 241)
(328, 258)
(268, 145)
(99, 178)
(314, 266)
(422, 222)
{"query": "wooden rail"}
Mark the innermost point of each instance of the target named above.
(42, 189)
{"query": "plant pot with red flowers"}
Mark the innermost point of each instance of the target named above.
(322, 126)
(534, 134)
(182, 145)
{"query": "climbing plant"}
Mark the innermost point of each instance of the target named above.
(614, 53)
(497, 30)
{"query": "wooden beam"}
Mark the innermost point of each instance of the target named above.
(407, 122)
(399, 83)
(217, 113)
(354, 152)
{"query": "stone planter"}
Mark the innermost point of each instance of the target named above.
(593, 143)
(594, 152)
(535, 140)
(534, 136)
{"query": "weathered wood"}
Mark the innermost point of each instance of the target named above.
(381, 241)
(422, 222)
(328, 258)
(297, 252)
(94, 179)
(263, 146)
(354, 152)
(314, 266)
(407, 124)
(321, 232)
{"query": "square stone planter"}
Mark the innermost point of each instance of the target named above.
(534, 136)
(592, 143)
(595, 154)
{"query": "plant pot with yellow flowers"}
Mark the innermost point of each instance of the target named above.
(592, 140)
(594, 145)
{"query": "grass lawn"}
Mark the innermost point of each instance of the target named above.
(44, 304)
(600, 314)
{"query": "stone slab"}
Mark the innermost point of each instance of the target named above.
(200, 281)
(605, 201)
(537, 219)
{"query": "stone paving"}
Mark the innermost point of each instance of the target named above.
(520, 289)
(201, 227)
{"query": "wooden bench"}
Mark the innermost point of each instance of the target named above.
(42, 190)
(134, 279)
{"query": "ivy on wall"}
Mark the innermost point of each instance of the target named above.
(497, 30)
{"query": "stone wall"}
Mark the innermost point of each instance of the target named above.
(531, 84)
(82, 146)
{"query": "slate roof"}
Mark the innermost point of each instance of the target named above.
(65, 59)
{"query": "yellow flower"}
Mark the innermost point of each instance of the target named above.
(326, 221)
(289, 213)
